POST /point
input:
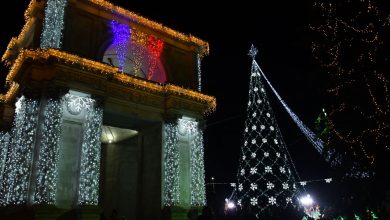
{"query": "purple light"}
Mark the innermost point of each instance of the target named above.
(120, 39)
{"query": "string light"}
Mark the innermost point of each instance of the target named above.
(18, 164)
(45, 189)
(172, 162)
(171, 165)
(199, 70)
(349, 48)
(203, 46)
(107, 70)
(155, 46)
(121, 38)
(53, 24)
(313, 138)
(90, 157)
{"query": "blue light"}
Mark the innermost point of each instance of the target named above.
(120, 40)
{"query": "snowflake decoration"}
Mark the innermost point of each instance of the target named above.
(278, 154)
(262, 90)
(253, 141)
(239, 202)
(272, 128)
(303, 183)
(268, 115)
(246, 129)
(264, 140)
(254, 114)
(272, 200)
(245, 143)
(262, 127)
(282, 170)
(242, 172)
(253, 170)
(240, 187)
(243, 157)
(255, 89)
(253, 186)
(268, 169)
(254, 127)
(285, 186)
(75, 104)
(233, 185)
(258, 101)
(253, 201)
(276, 141)
(288, 200)
(328, 180)
(253, 155)
(294, 186)
(266, 154)
(270, 185)
(249, 103)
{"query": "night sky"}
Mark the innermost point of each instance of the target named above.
(279, 29)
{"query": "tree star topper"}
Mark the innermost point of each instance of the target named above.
(253, 52)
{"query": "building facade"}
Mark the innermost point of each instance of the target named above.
(103, 114)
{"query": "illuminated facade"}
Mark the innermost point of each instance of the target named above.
(103, 114)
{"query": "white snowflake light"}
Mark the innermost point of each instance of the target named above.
(288, 200)
(253, 155)
(240, 187)
(262, 127)
(255, 89)
(262, 90)
(285, 186)
(243, 157)
(253, 201)
(268, 169)
(278, 154)
(272, 128)
(264, 140)
(258, 101)
(268, 115)
(246, 129)
(266, 154)
(328, 180)
(233, 185)
(272, 200)
(276, 141)
(242, 171)
(270, 185)
(282, 170)
(253, 141)
(239, 202)
(254, 114)
(303, 183)
(254, 127)
(249, 103)
(245, 143)
(253, 170)
(253, 186)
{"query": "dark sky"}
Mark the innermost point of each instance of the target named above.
(279, 29)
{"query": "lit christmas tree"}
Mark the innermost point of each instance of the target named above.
(265, 179)
(351, 40)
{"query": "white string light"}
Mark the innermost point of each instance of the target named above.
(18, 164)
(45, 189)
(171, 165)
(313, 138)
(53, 24)
(90, 157)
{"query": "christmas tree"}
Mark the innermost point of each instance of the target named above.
(265, 179)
